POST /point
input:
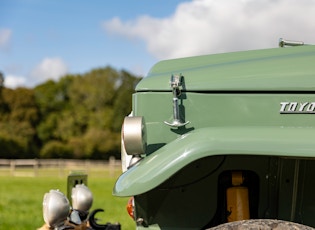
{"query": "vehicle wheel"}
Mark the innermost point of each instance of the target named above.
(261, 224)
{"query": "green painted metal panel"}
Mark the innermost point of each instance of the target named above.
(216, 110)
(162, 164)
(278, 69)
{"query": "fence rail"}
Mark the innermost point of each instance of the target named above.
(34, 167)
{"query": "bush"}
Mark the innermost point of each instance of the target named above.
(12, 147)
(96, 144)
(56, 149)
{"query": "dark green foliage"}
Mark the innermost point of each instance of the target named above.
(12, 147)
(122, 103)
(53, 96)
(56, 149)
(79, 116)
(18, 119)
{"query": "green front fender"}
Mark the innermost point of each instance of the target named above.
(162, 164)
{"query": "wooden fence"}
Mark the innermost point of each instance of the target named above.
(35, 167)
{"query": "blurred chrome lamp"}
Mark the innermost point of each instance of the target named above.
(134, 135)
(82, 198)
(56, 208)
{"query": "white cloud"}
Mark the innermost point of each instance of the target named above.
(211, 26)
(5, 37)
(13, 81)
(49, 68)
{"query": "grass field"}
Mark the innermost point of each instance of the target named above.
(21, 198)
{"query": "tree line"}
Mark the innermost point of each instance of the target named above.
(78, 116)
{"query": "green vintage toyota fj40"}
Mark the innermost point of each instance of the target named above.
(224, 138)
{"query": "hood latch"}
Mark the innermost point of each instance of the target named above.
(176, 85)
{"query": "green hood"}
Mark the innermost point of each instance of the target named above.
(279, 69)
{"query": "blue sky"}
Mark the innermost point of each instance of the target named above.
(71, 31)
(45, 39)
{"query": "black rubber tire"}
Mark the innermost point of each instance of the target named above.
(261, 224)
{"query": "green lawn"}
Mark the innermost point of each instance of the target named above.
(21, 199)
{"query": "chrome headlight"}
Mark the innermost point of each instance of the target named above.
(56, 208)
(82, 197)
(134, 135)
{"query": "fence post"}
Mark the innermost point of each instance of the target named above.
(112, 162)
(61, 167)
(87, 165)
(12, 167)
(36, 167)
